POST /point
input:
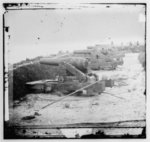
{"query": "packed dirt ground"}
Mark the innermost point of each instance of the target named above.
(126, 101)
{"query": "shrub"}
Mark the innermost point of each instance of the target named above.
(142, 60)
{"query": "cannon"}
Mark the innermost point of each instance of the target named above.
(78, 62)
(98, 61)
(73, 74)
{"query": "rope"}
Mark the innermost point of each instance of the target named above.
(68, 95)
(114, 95)
(76, 92)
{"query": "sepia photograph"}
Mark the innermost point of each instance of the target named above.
(74, 70)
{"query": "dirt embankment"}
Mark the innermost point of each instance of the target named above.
(18, 77)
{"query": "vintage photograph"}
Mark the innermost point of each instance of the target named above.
(74, 71)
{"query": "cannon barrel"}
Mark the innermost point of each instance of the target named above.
(50, 61)
(79, 62)
(82, 52)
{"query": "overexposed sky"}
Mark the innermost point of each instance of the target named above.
(43, 32)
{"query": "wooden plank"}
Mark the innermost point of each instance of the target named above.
(119, 124)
